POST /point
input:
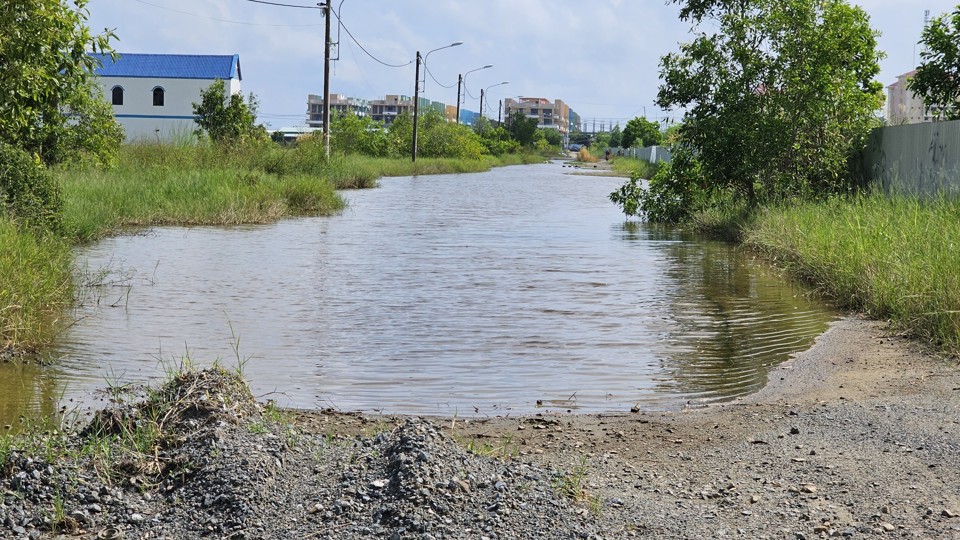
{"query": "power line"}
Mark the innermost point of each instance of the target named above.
(282, 5)
(347, 30)
(435, 79)
(223, 20)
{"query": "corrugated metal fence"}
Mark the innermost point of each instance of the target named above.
(915, 159)
(653, 154)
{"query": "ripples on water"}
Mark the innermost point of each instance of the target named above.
(467, 294)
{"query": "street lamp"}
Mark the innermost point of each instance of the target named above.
(416, 91)
(462, 81)
(482, 92)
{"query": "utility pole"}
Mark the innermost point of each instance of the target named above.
(416, 107)
(481, 103)
(326, 81)
(459, 84)
(500, 113)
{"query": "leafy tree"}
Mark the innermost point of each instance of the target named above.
(779, 93)
(227, 118)
(601, 140)
(496, 140)
(552, 136)
(50, 104)
(522, 129)
(937, 80)
(439, 138)
(616, 136)
(400, 133)
(641, 132)
(352, 134)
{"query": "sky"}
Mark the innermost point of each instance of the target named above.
(600, 57)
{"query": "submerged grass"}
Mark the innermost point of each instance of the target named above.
(893, 258)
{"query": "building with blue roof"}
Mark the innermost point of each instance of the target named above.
(153, 94)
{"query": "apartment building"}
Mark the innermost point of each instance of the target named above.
(379, 110)
(549, 114)
(339, 104)
(386, 110)
(902, 106)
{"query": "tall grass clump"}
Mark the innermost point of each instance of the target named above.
(630, 167)
(894, 258)
(188, 185)
(584, 155)
(35, 286)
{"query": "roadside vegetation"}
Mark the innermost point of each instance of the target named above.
(893, 258)
(764, 156)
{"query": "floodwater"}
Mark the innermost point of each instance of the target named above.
(512, 291)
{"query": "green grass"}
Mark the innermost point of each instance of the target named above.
(35, 286)
(161, 185)
(224, 185)
(893, 258)
(631, 167)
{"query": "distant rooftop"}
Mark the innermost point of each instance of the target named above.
(170, 66)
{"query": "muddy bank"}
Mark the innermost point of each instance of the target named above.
(858, 437)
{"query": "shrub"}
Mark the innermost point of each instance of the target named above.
(28, 193)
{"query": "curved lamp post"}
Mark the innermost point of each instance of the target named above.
(462, 81)
(416, 91)
(482, 92)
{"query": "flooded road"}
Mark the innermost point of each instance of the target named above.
(512, 291)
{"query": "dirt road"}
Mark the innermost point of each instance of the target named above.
(857, 437)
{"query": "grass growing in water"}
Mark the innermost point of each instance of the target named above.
(894, 258)
(35, 286)
(158, 185)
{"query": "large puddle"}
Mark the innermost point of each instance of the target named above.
(512, 291)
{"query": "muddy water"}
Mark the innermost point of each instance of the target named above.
(517, 290)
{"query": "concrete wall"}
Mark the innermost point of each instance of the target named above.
(653, 154)
(916, 159)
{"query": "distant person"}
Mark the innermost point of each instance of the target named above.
(606, 156)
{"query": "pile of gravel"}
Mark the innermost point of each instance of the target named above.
(225, 467)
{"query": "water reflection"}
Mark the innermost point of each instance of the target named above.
(27, 391)
(453, 294)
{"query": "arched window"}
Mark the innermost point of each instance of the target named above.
(158, 97)
(117, 95)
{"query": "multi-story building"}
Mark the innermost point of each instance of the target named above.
(902, 106)
(549, 114)
(152, 95)
(339, 104)
(386, 110)
(379, 110)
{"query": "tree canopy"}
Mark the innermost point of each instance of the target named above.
(227, 117)
(521, 128)
(937, 80)
(779, 93)
(50, 103)
(640, 132)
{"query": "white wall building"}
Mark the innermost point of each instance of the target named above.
(153, 94)
(902, 106)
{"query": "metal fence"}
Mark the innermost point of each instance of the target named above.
(653, 154)
(914, 159)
